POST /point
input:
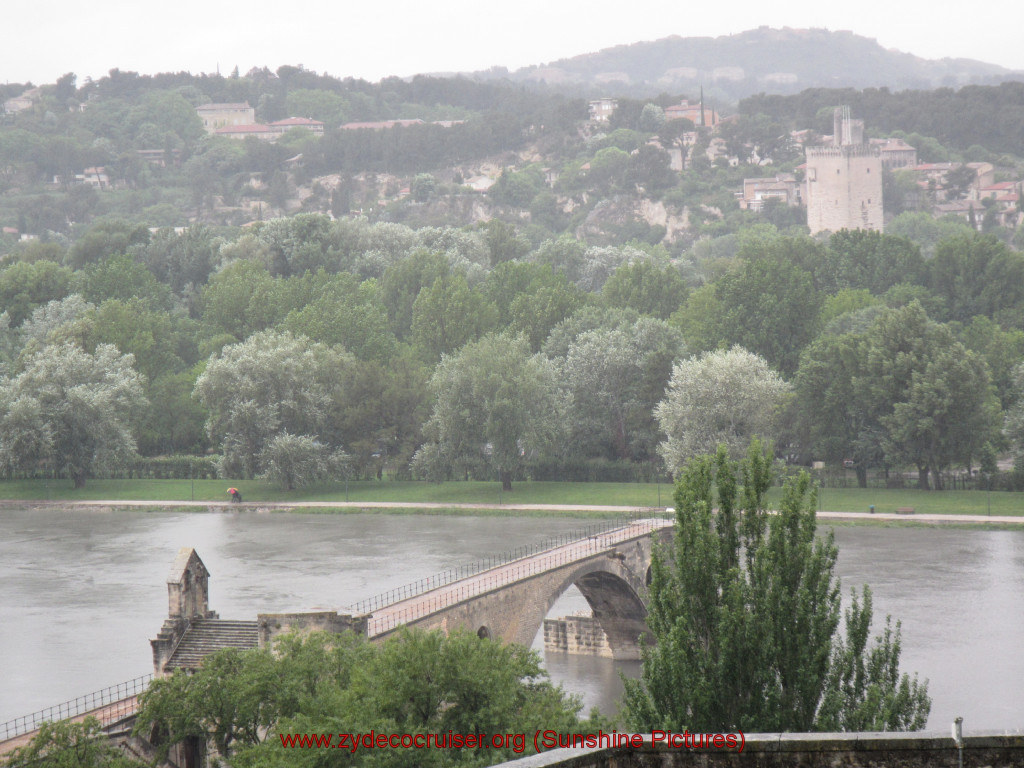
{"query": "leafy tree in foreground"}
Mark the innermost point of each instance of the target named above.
(415, 683)
(769, 306)
(70, 745)
(647, 287)
(745, 610)
(837, 424)
(615, 376)
(930, 394)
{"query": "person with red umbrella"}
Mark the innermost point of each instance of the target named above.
(236, 496)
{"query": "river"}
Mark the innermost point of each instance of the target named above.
(83, 591)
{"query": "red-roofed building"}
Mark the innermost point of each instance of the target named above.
(698, 114)
(1007, 196)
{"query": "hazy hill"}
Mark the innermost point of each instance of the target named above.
(760, 60)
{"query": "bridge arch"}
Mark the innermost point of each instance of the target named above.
(614, 594)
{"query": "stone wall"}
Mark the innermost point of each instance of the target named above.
(271, 625)
(844, 188)
(990, 749)
(576, 634)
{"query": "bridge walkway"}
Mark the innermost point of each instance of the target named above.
(388, 618)
(20, 731)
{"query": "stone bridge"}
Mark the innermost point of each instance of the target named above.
(611, 568)
(505, 597)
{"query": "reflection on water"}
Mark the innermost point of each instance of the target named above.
(594, 679)
(84, 591)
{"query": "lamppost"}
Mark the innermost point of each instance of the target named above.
(988, 491)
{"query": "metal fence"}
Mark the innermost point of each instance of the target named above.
(79, 706)
(568, 551)
(450, 575)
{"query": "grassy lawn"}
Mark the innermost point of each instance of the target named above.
(618, 494)
(923, 502)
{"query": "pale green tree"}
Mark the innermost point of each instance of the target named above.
(297, 460)
(496, 405)
(50, 321)
(71, 411)
(423, 187)
(652, 117)
(270, 384)
(600, 262)
(718, 398)
(347, 312)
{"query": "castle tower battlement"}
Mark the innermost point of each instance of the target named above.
(849, 150)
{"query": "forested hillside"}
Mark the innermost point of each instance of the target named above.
(507, 289)
(775, 60)
(987, 120)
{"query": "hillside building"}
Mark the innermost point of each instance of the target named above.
(601, 110)
(844, 180)
(895, 153)
(216, 116)
(783, 187)
(700, 115)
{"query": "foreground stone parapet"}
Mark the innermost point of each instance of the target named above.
(924, 749)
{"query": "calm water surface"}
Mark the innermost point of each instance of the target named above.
(81, 593)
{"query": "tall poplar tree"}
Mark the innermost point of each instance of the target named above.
(745, 608)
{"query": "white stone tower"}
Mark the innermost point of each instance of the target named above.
(844, 180)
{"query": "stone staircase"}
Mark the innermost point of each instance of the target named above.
(206, 636)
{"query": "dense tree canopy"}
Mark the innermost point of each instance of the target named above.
(415, 683)
(124, 223)
(901, 391)
(68, 744)
(745, 608)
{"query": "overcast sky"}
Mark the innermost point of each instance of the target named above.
(43, 39)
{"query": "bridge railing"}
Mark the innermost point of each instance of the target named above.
(75, 707)
(404, 592)
(531, 566)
